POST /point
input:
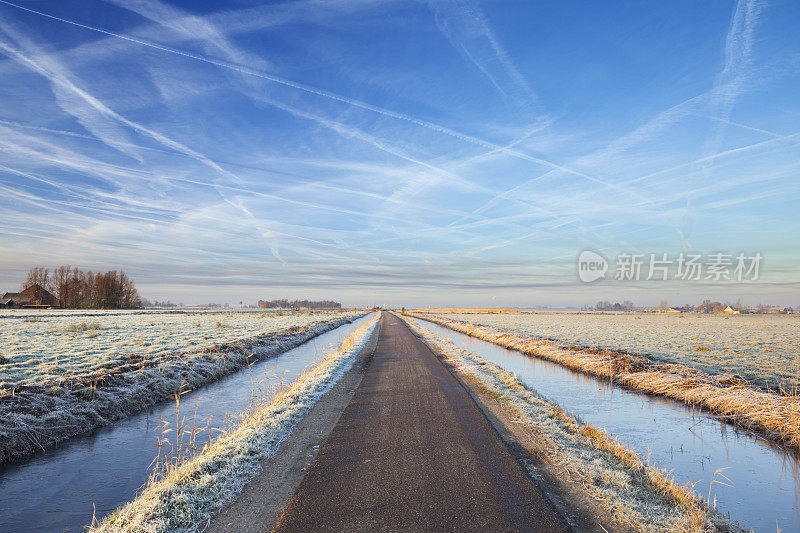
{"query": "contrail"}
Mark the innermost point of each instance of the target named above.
(714, 157)
(377, 143)
(469, 12)
(738, 125)
(319, 92)
(270, 77)
(13, 124)
(738, 56)
(48, 202)
(63, 82)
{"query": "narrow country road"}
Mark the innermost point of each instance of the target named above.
(413, 452)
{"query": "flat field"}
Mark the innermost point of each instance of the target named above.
(42, 348)
(764, 349)
(66, 372)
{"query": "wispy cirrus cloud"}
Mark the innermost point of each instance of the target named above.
(221, 150)
(464, 24)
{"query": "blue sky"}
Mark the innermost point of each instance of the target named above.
(445, 152)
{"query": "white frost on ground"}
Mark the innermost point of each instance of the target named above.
(637, 494)
(191, 493)
(774, 414)
(757, 347)
(46, 348)
(83, 390)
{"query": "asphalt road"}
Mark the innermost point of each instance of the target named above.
(413, 452)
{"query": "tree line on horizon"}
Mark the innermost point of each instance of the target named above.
(604, 305)
(293, 304)
(705, 307)
(74, 288)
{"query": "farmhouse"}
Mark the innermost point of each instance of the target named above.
(33, 296)
(663, 310)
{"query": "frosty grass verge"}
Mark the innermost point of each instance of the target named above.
(43, 348)
(762, 349)
(34, 417)
(776, 415)
(638, 494)
(189, 495)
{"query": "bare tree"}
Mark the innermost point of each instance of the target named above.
(75, 288)
(37, 276)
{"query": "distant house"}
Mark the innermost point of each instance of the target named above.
(663, 310)
(11, 300)
(33, 296)
(730, 311)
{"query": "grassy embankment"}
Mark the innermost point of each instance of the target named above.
(762, 349)
(465, 310)
(187, 490)
(36, 416)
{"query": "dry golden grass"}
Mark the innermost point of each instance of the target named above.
(776, 415)
(466, 310)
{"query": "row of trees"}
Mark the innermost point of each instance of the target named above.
(604, 305)
(706, 306)
(286, 304)
(74, 288)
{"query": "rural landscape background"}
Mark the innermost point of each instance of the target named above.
(557, 242)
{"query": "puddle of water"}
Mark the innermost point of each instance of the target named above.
(54, 491)
(766, 478)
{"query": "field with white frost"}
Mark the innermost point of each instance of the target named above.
(49, 347)
(764, 349)
(64, 373)
(194, 488)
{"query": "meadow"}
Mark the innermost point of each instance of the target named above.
(762, 349)
(730, 390)
(42, 348)
(65, 372)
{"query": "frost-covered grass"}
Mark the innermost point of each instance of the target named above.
(49, 347)
(764, 349)
(637, 494)
(776, 415)
(194, 489)
(84, 373)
